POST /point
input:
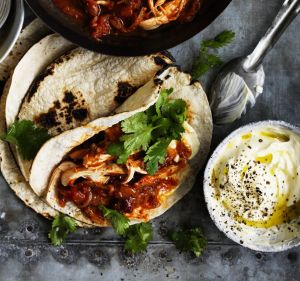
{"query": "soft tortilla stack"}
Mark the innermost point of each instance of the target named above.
(54, 82)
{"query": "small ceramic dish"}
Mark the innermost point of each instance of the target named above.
(230, 189)
(4, 11)
(11, 29)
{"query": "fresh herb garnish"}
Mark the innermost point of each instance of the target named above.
(119, 222)
(152, 131)
(61, 226)
(27, 137)
(138, 132)
(156, 155)
(136, 236)
(117, 149)
(190, 240)
(205, 60)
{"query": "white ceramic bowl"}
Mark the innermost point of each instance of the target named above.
(272, 239)
(11, 29)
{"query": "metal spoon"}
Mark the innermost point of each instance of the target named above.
(4, 10)
(241, 81)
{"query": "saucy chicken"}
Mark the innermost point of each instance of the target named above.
(91, 177)
(106, 17)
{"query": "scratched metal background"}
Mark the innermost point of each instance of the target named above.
(25, 252)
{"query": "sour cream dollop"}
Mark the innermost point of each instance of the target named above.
(254, 182)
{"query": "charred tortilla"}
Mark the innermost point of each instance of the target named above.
(66, 87)
(81, 86)
(31, 48)
(22, 97)
(47, 172)
(9, 168)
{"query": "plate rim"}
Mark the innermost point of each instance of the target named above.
(19, 11)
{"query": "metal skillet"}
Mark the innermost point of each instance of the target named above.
(129, 45)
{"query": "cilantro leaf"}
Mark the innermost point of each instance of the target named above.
(26, 137)
(175, 109)
(221, 40)
(151, 131)
(204, 63)
(135, 123)
(163, 126)
(61, 226)
(139, 139)
(138, 237)
(119, 222)
(118, 150)
(156, 154)
(205, 60)
(115, 149)
(162, 100)
(190, 240)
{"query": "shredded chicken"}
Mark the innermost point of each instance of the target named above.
(163, 13)
(134, 166)
(61, 169)
(99, 175)
(96, 160)
(78, 154)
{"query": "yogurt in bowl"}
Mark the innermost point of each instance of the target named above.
(252, 186)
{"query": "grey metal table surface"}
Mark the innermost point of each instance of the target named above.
(96, 254)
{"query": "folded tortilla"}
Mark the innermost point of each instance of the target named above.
(65, 87)
(30, 57)
(81, 86)
(45, 172)
(34, 32)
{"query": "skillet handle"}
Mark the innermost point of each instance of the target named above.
(287, 13)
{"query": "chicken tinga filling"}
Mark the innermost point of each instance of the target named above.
(132, 166)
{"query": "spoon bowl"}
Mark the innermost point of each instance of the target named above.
(241, 80)
(234, 89)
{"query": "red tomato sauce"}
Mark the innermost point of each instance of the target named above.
(72, 8)
(119, 16)
(142, 193)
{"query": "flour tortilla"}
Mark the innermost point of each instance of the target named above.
(14, 177)
(9, 168)
(16, 180)
(44, 182)
(65, 87)
(48, 48)
(81, 86)
(43, 165)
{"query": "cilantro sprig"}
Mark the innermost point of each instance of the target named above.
(62, 225)
(156, 155)
(190, 240)
(206, 60)
(119, 222)
(136, 236)
(27, 137)
(151, 131)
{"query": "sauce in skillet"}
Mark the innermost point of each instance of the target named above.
(126, 16)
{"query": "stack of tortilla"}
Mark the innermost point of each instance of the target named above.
(75, 93)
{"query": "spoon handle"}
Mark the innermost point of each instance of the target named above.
(287, 13)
